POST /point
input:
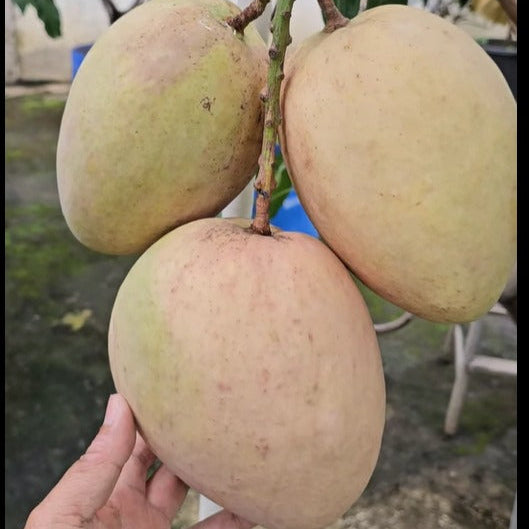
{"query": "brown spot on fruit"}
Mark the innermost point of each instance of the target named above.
(206, 103)
(262, 447)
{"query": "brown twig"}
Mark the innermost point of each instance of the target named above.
(247, 15)
(333, 18)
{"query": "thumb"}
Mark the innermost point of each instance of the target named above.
(89, 482)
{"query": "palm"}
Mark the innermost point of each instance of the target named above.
(136, 502)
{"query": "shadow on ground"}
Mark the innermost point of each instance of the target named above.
(58, 301)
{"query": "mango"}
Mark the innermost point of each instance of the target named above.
(400, 135)
(253, 370)
(162, 125)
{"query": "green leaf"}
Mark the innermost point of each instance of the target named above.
(375, 3)
(22, 4)
(283, 185)
(349, 8)
(47, 12)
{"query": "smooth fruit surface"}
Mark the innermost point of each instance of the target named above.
(162, 124)
(399, 133)
(253, 369)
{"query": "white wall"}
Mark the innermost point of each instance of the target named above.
(35, 56)
(11, 64)
(44, 58)
(306, 19)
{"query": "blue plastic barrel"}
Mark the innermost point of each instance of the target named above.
(78, 54)
(292, 217)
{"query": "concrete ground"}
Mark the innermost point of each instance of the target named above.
(58, 301)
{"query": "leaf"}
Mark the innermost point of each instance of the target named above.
(375, 3)
(47, 12)
(22, 4)
(283, 185)
(349, 8)
(75, 320)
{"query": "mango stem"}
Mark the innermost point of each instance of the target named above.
(265, 180)
(332, 16)
(248, 14)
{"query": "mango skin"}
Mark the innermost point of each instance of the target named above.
(163, 124)
(252, 367)
(399, 133)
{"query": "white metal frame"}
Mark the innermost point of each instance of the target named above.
(466, 362)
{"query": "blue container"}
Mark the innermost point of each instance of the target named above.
(78, 54)
(292, 217)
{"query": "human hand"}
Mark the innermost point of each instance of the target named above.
(107, 487)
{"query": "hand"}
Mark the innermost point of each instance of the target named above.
(107, 488)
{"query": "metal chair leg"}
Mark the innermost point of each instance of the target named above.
(513, 524)
(459, 387)
(464, 350)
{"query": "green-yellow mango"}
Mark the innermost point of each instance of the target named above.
(400, 135)
(253, 369)
(163, 123)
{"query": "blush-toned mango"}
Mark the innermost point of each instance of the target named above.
(163, 123)
(400, 135)
(253, 369)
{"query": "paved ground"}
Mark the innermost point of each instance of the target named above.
(58, 301)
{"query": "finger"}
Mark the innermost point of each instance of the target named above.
(88, 483)
(134, 472)
(224, 520)
(166, 492)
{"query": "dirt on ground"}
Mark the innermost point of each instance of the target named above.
(58, 301)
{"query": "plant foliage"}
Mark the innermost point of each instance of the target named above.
(47, 12)
(349, 8)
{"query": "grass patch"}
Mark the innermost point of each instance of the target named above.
(483, 420)
(13, 154)
(380, 309)
(40, 103)
(40, 251)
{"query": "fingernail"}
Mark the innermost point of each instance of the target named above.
(112, 411)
